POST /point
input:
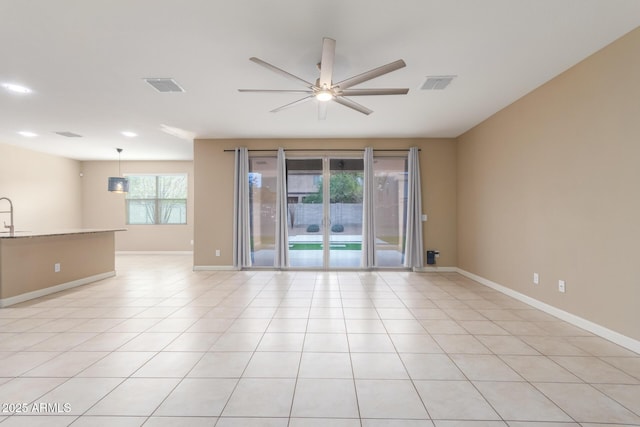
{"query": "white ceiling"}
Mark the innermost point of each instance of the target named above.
(85, 61)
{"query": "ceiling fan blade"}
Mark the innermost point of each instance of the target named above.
(275, 90)
(326, 63)
(352, 104)
(294, 103)
(282, 72)
(371, 74)
(322, 110)
(367, 92)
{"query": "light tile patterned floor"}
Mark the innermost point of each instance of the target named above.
(161, 345)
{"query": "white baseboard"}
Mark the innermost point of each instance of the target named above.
(230, 267)
(435, 269)
(215, 268)
(578, 321)
(154, 252)
(5, 302)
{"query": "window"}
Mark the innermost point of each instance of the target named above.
(157, 199)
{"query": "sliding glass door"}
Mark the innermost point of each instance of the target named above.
(325, 221)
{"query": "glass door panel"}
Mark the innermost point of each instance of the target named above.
(305, 213)
(345, 212)
(390, 199)
(262, 210)
(328, 235)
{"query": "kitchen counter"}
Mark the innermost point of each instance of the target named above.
(34, 264)
(20, 234)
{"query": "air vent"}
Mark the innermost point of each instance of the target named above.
(437, 82)
(69, 134)
(165, 85)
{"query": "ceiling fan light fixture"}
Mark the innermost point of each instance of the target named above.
(324, 95)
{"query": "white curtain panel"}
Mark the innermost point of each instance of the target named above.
(413, 257)
(281, 256)
(241, 229)
(368, 213)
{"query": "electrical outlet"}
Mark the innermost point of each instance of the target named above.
(561, 286)
(536, 278)
(56, 267)
(217, 252)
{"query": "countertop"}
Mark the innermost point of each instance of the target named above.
(25, 234)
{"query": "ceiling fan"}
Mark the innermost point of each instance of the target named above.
(325, 89)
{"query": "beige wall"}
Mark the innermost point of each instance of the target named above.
(44, 189)
(102, 209)
(27, 264)
(214, 190)
(550, 185)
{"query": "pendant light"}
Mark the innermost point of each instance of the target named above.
(118, 184)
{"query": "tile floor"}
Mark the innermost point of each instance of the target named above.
(161, 345)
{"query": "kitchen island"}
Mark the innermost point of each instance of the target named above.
(34, 264)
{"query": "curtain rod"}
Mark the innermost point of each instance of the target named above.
(324, 149)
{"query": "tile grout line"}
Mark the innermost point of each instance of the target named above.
(346, 333)
(397, 353)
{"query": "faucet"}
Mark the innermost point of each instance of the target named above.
(10, 212)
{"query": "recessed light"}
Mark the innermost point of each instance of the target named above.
(16, 88)
(27, 134)
(129, 134)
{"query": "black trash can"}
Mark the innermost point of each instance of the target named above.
(431, 257)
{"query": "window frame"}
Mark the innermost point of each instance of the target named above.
(157, 201)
